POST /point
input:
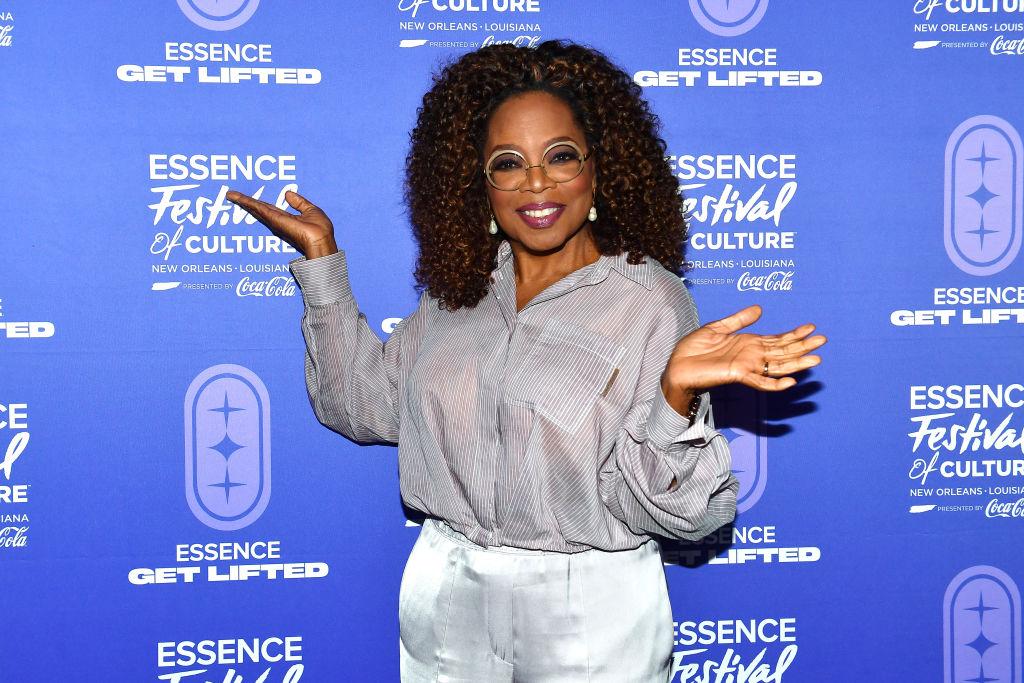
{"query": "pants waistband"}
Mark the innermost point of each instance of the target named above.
(443, 528)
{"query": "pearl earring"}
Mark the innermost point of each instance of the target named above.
(592, 216)
(493, 229)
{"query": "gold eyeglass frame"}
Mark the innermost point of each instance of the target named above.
(542, 165)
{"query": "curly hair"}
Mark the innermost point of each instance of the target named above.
(638, 201)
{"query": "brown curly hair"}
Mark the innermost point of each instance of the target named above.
(638, 201)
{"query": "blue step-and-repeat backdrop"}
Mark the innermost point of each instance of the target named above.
(854, 164)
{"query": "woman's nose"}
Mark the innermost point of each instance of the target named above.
(536, 179)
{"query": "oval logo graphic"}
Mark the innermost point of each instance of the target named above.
(728, 17)
(981, 627)
(227, 447)
(983, 185)
(744, 413)
(218, 15)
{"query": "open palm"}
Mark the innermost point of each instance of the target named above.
(311, 232)
(718, 353)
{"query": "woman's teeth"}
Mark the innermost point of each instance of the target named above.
(541, 213)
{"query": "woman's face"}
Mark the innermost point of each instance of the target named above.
(541, 214)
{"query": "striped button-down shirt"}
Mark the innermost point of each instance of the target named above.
(542, 428)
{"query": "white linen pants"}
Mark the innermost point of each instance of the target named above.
(469, 613)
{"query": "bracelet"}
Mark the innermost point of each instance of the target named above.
(691, 411)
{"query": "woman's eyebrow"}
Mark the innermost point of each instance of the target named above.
(517, 148)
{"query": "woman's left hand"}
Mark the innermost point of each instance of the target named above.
(718, 353)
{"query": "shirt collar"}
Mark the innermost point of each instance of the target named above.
(639, 273)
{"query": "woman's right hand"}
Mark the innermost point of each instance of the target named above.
(311, 232)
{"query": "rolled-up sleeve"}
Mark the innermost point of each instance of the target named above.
(656, 445)
(352, 377)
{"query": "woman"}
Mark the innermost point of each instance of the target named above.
(549, 394)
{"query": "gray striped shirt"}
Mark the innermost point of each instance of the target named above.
(544, 428)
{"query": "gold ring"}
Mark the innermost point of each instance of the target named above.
(765, 370)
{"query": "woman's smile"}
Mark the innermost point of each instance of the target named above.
(540, 214)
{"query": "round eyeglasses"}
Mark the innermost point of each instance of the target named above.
(507, 170)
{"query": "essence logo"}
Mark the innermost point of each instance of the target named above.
(744, 413)
(227, 447)
(728, 17)
(983, 186)
(981, 627)
(218, 15)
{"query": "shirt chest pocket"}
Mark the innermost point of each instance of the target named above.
(565, 372)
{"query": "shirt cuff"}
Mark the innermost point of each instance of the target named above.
(665, 426)
(323, 280)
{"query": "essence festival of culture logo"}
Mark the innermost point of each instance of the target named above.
(981, 627)
(227, 447)
(983, 203)
(739, 233)
(982, 226)
(218, 15)
(468, 24)
(728, 17)
(735, 202)
(994, 26)
(14, 520)
(967, 452)
(205, 244)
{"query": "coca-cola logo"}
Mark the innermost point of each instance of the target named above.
(275, 286)
(518, 41)
(1007, 46)
(1008, 509)
(13, 536)
(775, 281)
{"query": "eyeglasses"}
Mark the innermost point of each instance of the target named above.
(507, 170)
